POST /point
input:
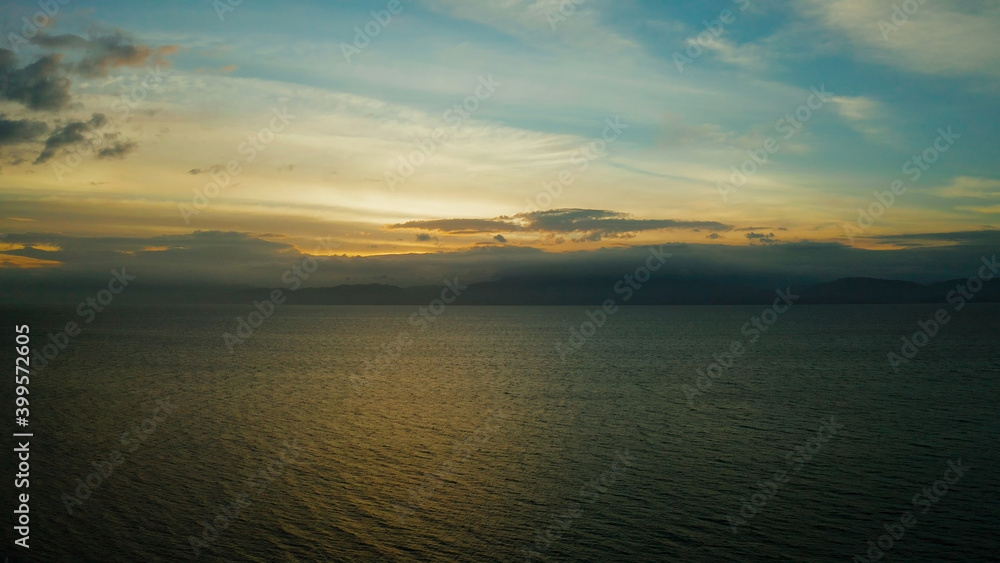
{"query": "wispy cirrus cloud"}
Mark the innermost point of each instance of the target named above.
(867, 116)
(968, 186)
(581, 27)
(940, 38)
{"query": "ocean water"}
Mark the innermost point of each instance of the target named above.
(358, 434)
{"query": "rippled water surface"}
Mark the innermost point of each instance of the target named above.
(473, 440)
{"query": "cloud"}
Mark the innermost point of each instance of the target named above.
(41, 85)
(595, 224)
(863, 115)
(676, 131)
(460, 226)
(857, 108)
(106, 144)
(70, 134)
(104, 51)
(971, 187)
(590, 224)
(538, 20)
(212, 70)
(20, 131)
(747, 56)
(501, 239)
(988, 237)
(210, 170)
(425, 237)
(760, 237)
(120, 149)
(987, 209)
(60, 41)
(940, 38)
(44, 84)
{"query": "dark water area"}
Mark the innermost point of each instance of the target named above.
(364, 434)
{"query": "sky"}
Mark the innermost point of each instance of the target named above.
(413, 139)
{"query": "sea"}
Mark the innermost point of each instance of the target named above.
(502, 434)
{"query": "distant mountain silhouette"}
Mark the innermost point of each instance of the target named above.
(539, 291)
(555, 291)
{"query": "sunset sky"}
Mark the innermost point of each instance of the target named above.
(507, 96)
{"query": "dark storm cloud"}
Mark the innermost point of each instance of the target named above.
(104, 51)
(72, 133)
(41, 85)
(591, 224)
(13, 132)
